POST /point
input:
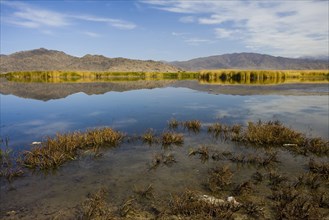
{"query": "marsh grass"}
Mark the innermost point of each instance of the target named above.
(162, 158)
(53, 152)
(173, 123)
(9, 168)
(202, 151)
(219, 178)
(145, 193)
(96, 206)
(188, 205)
(169, 138)
(149, 137)
(192, 125)
(320, 168)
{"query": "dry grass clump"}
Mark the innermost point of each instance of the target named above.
(53, 152)
(220, 130)
(193, 125)
(271, 133)
(173, 123)
(320, 168)
(188, 205)
(275, 134)
(149, 137)
(169, 138)
(219, 178)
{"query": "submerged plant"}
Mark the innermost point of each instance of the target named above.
(321, 168)
(146, 193)
(166, 159)
(9, 168)
(202, 151)
(219, 178)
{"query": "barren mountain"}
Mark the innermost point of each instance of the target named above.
(250, 61)
(43, 59)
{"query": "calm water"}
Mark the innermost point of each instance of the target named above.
(29, 115)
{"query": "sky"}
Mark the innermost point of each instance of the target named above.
(166, 30)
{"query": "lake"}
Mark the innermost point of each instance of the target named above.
(31, 111)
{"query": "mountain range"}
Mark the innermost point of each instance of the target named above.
(44, 59)
(250, 61)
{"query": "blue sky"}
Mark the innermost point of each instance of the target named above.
(166, 29)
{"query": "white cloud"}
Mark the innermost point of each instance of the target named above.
(32, 17)
(91, 34)
(289, 28)
(179, 33)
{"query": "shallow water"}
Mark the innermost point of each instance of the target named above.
(26, 119)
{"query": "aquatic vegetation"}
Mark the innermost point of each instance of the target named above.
(275, 134)
(96, 207)
(320, 168)
(169, 138)
(243, 188)
(166, 159)
(202, 151)
(192, 125)
(311, 180)
(188, 204)
(9, 168)
(253, 210)
(220, 130)
(150, 137)
(257, 177)
(300, 207)
(146, 193)
(276, 179)
(173, 123)
(53, 152)
(219, 178)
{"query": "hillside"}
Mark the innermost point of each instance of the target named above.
(43, 59)
(250, 61)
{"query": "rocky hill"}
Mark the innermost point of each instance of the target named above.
(250, 61)
(43, 59)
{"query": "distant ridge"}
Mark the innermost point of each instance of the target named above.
(250, 61)
(43, 59)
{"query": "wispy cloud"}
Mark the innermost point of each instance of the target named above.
(91, 34)
(28, 16)
(197, 41)
(291, 28)
(187, 19)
